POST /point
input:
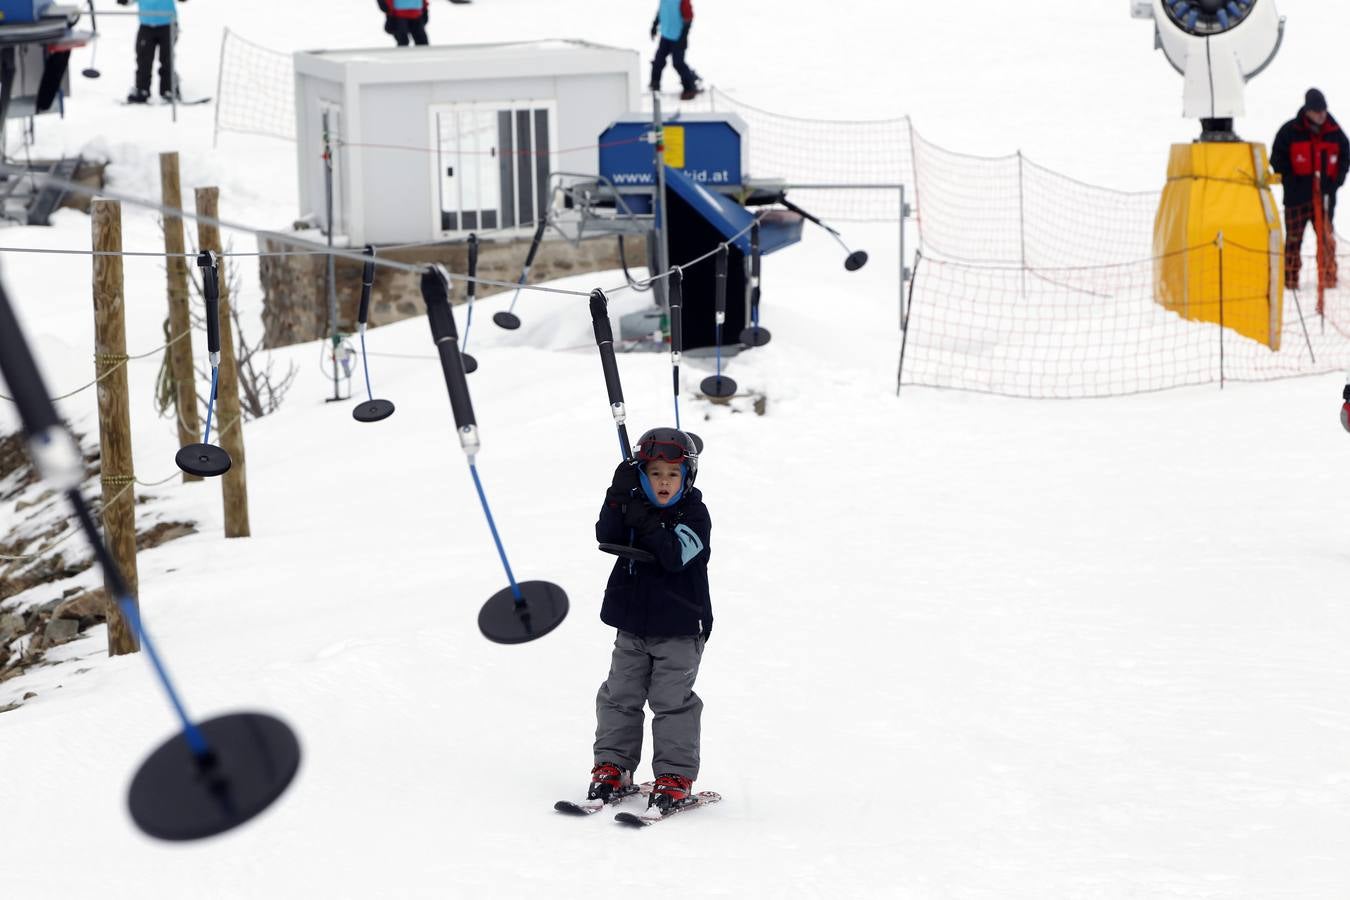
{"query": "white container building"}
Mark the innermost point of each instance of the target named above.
(430, 143)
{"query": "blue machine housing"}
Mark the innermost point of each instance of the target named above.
(12, 11)
(714, 154)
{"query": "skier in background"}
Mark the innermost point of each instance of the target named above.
(406, 19)
(663, 614)
(673, 21)
(1310, 149)
(157, 32)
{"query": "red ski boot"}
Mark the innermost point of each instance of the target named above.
(671, 792)
(608, 780)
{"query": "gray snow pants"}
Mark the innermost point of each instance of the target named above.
(659, 672)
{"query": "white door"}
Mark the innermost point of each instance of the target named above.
(492, 164)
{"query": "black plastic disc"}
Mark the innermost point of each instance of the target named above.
(177, 797)
(91, 73)
(509, 321)
(502, 621)
(856, 260)
(470, 364)
(206, 460)
(718, 386)
(627, 552)
(372, 410)
(754, 336)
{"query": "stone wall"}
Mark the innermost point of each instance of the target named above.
(295, 298)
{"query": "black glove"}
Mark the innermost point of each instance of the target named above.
(641, 516)
(625, 481)
(656, 24)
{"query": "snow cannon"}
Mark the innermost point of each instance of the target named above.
(1217, 46)
(1218, 192)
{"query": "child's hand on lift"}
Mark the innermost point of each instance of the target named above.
(625, 480)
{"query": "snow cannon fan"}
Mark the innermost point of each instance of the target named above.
(753, 335)
(471, 294)
(206, 459)
(508, 319)
(524, 610)
(372, 410)
(209, 777)
(719, 385)
(1204, 43)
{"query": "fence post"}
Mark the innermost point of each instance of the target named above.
(332, 265)
(234, 483)
(1022, 222)
(904, 324)
(180, 324)
(117, 471)
(905, 273)
(1221, 324)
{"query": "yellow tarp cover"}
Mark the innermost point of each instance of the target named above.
(1215, 188)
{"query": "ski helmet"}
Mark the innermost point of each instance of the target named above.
(671, 445)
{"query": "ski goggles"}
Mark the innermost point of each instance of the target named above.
(667, 451)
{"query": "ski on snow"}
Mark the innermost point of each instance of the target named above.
(590, 807)
(651, 817)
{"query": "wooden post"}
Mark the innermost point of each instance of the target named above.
(231, 428)
(114, 417)
(180, 349)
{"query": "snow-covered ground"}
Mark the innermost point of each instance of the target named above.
(965, 648)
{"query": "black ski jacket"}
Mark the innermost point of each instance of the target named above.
(668, 597)
(1299, 151)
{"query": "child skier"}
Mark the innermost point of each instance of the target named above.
(663, 614)
(157, 32)
(673, 21)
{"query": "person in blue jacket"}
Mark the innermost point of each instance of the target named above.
(406, 20)
(157, 32)
(673, 21)
(663, 613)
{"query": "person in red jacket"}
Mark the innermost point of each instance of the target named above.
(1311, 154)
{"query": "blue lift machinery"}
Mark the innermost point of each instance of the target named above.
(709, 199)
(36, 38)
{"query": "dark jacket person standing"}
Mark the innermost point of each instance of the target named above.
(1309, 145)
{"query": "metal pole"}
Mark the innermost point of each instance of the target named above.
(1022, 223)
(220, 80)
(1221, 324)
(173, 62)
(662, 243)
(904, 326)
(904, 273)
(332, 266)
